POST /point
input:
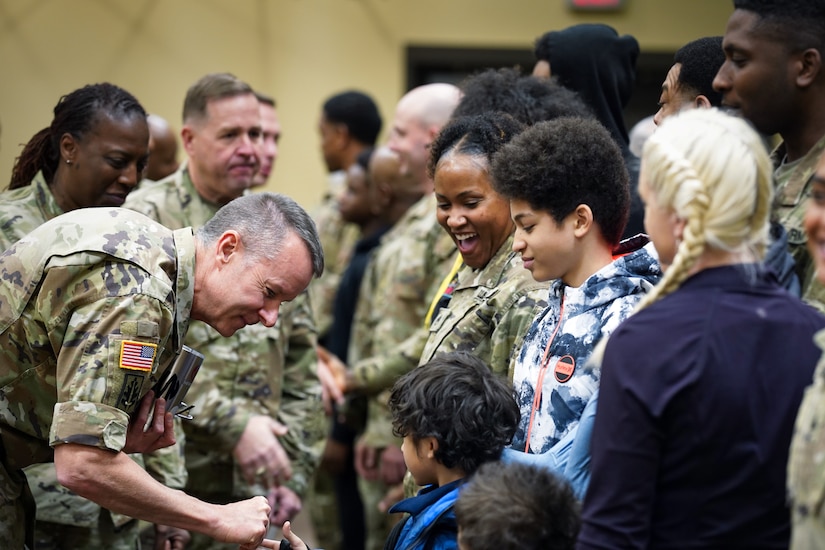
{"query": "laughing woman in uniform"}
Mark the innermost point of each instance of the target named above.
(491, 301)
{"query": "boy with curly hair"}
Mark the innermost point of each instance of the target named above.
(454, 414)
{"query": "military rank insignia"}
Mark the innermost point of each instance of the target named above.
(137, 355)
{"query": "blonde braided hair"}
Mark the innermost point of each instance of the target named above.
(713, 171)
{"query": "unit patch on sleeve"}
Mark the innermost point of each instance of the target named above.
(130, 392)
(137, 355)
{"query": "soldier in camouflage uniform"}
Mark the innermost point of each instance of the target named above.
(261, 379)
(349, 124)
(414, 256)
(492, 299)
(90, 124)
(95, 306)
(785, 47)
(765, 32)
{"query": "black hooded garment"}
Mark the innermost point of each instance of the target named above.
(593, 60)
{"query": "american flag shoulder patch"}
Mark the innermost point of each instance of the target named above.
(137, 355)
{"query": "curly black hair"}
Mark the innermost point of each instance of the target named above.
(480, 135)
(557, 165)
(797, 23)
(526, 98)
(358, 112)
(517, 506)
(700, 60)
(459, 401)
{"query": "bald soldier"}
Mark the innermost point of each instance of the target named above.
(95, 305)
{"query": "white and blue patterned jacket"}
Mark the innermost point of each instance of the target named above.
(572, 324)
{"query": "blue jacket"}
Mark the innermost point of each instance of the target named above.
(431, 524)
(571, 326)
(570, 457)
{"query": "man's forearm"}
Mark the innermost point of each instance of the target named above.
(115, 482)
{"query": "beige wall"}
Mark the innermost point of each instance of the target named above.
(300, 51)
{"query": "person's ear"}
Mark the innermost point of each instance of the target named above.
(341, 136)
(68, 148)
(809, 64)
(582, 221)
(187, 138)
(432, 133)
(542, 69)
(228, 246)
(702, 102)
(381, 198)
(430, 446)
(679, 225)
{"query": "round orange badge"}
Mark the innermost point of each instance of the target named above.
(563, 371)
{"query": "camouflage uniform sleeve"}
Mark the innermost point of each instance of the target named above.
(806, 465)
(338, 239)
(224, 420)
(511, 326)
(300, 407)
(379, 372)
(222, 391)
(97, 392)
(814, 294)
(145, 207)
(793, 185)
(378, 433)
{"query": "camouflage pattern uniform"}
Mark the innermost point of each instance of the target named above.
(792, 188)
(257, 371)
(63, 518)
(75, 291)
(24, 209)
(806, 465)
(489, 313)
(405, 271)
(338, 239)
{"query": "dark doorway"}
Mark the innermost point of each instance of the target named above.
(428, 64)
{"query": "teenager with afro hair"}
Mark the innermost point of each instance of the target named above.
(568, 192)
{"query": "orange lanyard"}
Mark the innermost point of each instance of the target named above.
(569, 365)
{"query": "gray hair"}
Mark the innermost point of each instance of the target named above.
(263, 221)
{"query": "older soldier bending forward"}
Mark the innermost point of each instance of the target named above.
(94, 305)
